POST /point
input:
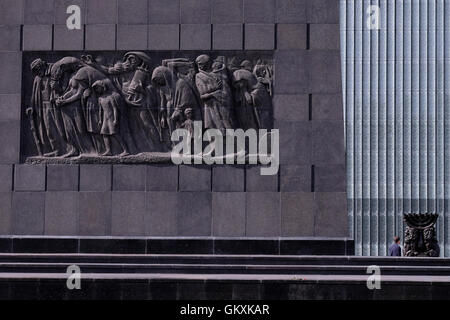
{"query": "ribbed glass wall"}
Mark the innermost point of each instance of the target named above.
(396, 81)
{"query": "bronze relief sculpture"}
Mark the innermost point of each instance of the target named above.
(88, 109)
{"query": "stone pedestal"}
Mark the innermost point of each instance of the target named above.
(138, 196)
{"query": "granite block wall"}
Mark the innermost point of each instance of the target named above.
(306, 198)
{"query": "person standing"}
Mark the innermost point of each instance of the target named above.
(395, 250)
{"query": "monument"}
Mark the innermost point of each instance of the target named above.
(87, 161)
(420, 235)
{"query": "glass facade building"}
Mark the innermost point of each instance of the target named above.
(396, 80)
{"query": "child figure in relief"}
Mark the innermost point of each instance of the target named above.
(109, 102)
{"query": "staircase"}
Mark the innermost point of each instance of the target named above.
(208, 276)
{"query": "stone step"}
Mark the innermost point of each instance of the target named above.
(220, 286)
(194, 277)
(157, 268)
(223, 259)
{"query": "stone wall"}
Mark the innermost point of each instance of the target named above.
(306, 198)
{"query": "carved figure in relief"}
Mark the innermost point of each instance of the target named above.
(109, 116)
(216, 96)
(45, 119)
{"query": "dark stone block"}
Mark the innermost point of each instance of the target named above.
(327, 107)
(227, 11)
(350, 247)
(326, 77)
(65, 39)
(322, 11)
(132, 37)
(275, 291)
(62, 177)
(297, 214)
(167, 11)
(191, 290)
(195, 37)
(292, 72)
(310, 291)
(100, 37)
(420, 291)
(358, 293)
(9, 38)
(163, 37)
(313, 247)
(194, 214)
(331, 216)
(113, 246)
(10, 107)
(228, 178)
(227, 36)
(101, 11)
(45, 245)
(328, 142)
(95, 177)
(291, 11)
(291, 107)
(28, 213)
(133, 11)
(324, 36)
(259, 11)
(107, 289)
(53, 289)
(87, 291)
(21, 289)
(161, 214)
(257, 182)
(94, 213)
(246, 246)
(179, 246)
(295, 178)
(129, 177)
(330, 178)
(135, 290)
(10, 141)
(440, 291)
(11, 75)
(6, 174)
(163, 290)
(11, 12)
(61, 213)
(128, 212)
(38, 12)
(5, 245)
(29, 177)
(216, 290)
(259, 36)
(263, 214)
(295, 142)
(61, 14)
(195, 11)
(37, 37)
(5, 215)
(228, 210)
(246, 291)
(195, 178)
(162, 178)
(291, 36)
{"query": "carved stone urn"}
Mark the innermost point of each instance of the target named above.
(420, 235)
